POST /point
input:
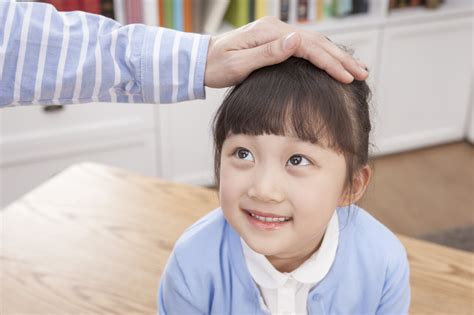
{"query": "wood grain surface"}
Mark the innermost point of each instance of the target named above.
(95, 239)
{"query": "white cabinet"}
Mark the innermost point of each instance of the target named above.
(424, 84)
(470, 119)
(35, 145)
(365, 45)
(185, 139)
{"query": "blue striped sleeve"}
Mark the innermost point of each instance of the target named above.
(51, 57)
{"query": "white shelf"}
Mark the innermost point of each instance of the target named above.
(354, 22)
(379, 16)
(450, 9)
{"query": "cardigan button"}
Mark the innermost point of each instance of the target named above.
(316, 297)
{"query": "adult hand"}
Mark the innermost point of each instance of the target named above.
(232, 56)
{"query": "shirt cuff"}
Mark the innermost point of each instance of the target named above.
(199, 90)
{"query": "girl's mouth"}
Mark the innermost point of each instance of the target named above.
(267, 221)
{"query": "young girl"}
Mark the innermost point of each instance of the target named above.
(291, 159)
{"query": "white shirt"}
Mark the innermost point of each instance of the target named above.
(287, 293)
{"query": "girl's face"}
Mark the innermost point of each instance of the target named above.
(279, 192)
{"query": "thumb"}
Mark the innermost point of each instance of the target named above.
(274, 52)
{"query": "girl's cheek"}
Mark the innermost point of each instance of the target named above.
(311, 192)
(232, 170)
(232, 183)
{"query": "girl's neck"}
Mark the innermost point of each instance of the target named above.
(290, 263)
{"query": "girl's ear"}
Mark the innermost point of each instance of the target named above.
(359, 186)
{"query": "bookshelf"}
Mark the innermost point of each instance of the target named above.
(217, 16)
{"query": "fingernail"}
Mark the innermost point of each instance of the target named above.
(363, 66)
(290, 42)
(349, 76)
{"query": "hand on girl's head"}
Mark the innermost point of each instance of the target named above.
(269, 41)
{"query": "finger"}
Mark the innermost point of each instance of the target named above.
(270, 53)
(325, 61)
(259, 32)
(362, 65)
(356, 68)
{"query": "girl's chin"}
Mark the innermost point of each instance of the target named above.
(264, 248)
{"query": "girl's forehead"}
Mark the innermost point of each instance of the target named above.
(250, 137)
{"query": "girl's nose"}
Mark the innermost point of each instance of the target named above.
(266, 188)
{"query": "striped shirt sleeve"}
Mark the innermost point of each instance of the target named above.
(51, 57)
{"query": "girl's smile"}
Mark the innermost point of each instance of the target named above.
(267, 221)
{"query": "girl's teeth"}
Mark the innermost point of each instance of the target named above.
(268, 219)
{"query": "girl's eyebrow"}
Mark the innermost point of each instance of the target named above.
(316, 148)
(239, 140)
(306, 142)
(322, 143)
(253, 139)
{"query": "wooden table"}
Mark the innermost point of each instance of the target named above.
(95, 240)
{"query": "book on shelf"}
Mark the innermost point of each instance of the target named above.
(134, 11)
(150, 12)
(251, 10)
(260, 8)
(168, 10)
(273, 8)
(328, 6)
(214, 14)
(342, 8)
(302, 11)
(177, 12)
(92, 6)
(319, 10)
(284, 10)
(238, 12)
(360, 6)
(107, 8)
(292, 11)
(197, 15)
(400, 4)
(188, 15)
(119, 11)
(104, 7)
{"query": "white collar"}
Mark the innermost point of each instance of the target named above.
(312, 270)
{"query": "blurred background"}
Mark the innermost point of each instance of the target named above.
(420, 57)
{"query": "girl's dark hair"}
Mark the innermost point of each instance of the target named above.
(296, 98)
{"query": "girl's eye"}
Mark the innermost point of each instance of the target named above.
(298, 160)
(244, 154)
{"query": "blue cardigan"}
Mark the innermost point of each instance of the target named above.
(207, 274)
